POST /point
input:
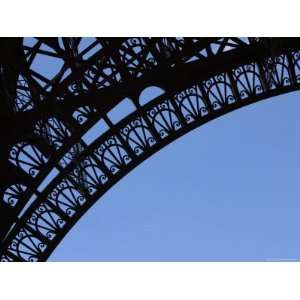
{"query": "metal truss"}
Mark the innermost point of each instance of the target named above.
(67, 139)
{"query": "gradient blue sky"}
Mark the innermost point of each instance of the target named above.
(227, 191)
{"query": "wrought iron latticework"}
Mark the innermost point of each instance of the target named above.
(78, 114)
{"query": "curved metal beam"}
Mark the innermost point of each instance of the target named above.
(200, 95)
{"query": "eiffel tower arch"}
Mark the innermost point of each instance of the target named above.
(102, 107)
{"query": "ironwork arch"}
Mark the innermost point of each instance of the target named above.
(63, 149)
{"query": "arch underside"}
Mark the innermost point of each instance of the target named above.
(194, 94)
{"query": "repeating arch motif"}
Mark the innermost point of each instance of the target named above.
(164, 118)
(26, 246)
(137, 135)
(112, 154)
(219, 91)
(191, 104)
(89, 175)
(86, 172)
(66, 198)
(248, 80)
(28, 158)
(45, 221)
(277, 71)
(13, 194)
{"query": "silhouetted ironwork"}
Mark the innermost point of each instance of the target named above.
(57, 159)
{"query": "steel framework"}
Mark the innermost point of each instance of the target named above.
(108, 104)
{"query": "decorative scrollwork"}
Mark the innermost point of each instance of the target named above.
(27, 246)
(137, 57)
(82, 114)
(248, 80)
(296, 64)
(89, 176)
(112, 154)
(45, 221)
(28, 158)
(138, 136)
(77, 88)
(103, 73)
(14, 193)
(6, 258)
(66, 198)
(277, 71)
(191, 104)
(219, 91)
(164, 118)
(89, 167)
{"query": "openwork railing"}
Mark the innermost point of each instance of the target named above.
(76, 153)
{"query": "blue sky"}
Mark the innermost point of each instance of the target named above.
(227, 191)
